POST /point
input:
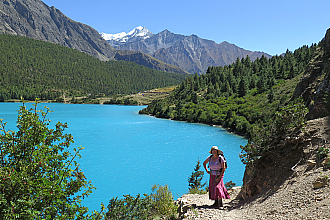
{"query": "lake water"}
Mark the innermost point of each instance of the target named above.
(127, 153)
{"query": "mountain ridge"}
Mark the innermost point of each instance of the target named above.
(136, 34)
(35, 19)
(190, 53)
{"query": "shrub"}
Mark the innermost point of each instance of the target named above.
(229, 185)
(263, 134)
(159, 204)
(39, 177)
(129, 207)
(162, 201)
(322, 153)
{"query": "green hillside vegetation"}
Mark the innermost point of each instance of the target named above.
(32, 69)
(238, 95)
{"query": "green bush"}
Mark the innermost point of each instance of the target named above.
(322, 153)
(229, 185)
(159, 204)
(129, 207)
(264, 133)
(39, 177)
(162, 202)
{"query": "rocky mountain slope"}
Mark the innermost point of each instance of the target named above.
(314, 88)
(275, 166)
(190, 53)
(35, 19)
(300, 157)
(147, 60)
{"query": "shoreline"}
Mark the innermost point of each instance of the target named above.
(213, 125)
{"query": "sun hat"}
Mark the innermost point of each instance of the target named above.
(216, 148)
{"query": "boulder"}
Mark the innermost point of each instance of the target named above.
(311, 162)
(320, 182)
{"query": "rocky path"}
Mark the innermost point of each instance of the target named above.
(199, 207)
(294, 200)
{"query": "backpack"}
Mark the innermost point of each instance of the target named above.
(224, 159)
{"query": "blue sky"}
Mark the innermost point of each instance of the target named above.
(257, 25)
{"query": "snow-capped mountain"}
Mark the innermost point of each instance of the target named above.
(138, 33)
(190, 53)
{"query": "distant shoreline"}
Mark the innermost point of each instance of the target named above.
(49, 101)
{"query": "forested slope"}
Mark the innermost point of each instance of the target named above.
(36, 69)
(238, 95)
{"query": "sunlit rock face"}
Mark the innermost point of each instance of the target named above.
(35, 19)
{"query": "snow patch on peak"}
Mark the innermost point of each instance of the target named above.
(113, 36)
(138, 32)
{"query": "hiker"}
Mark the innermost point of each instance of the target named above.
(217, 165)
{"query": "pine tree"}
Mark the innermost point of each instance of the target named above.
(242, 90)
(195, 180)
(271, 95)
(262, 84)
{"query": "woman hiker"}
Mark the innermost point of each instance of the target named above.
(217, 190)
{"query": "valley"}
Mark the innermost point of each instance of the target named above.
(281, 103)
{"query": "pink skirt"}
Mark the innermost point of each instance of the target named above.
(217, 190)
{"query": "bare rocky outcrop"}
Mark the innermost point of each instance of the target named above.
(34, 19)
(315, 84)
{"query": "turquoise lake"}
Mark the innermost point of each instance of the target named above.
(127, 153)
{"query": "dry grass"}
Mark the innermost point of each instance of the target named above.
(143, 98)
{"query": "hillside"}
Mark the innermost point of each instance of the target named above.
(236, 96)
(300, 191)
(314, 87)
(37, 69)
(290, 178)
(35, 19)
(298, 146)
